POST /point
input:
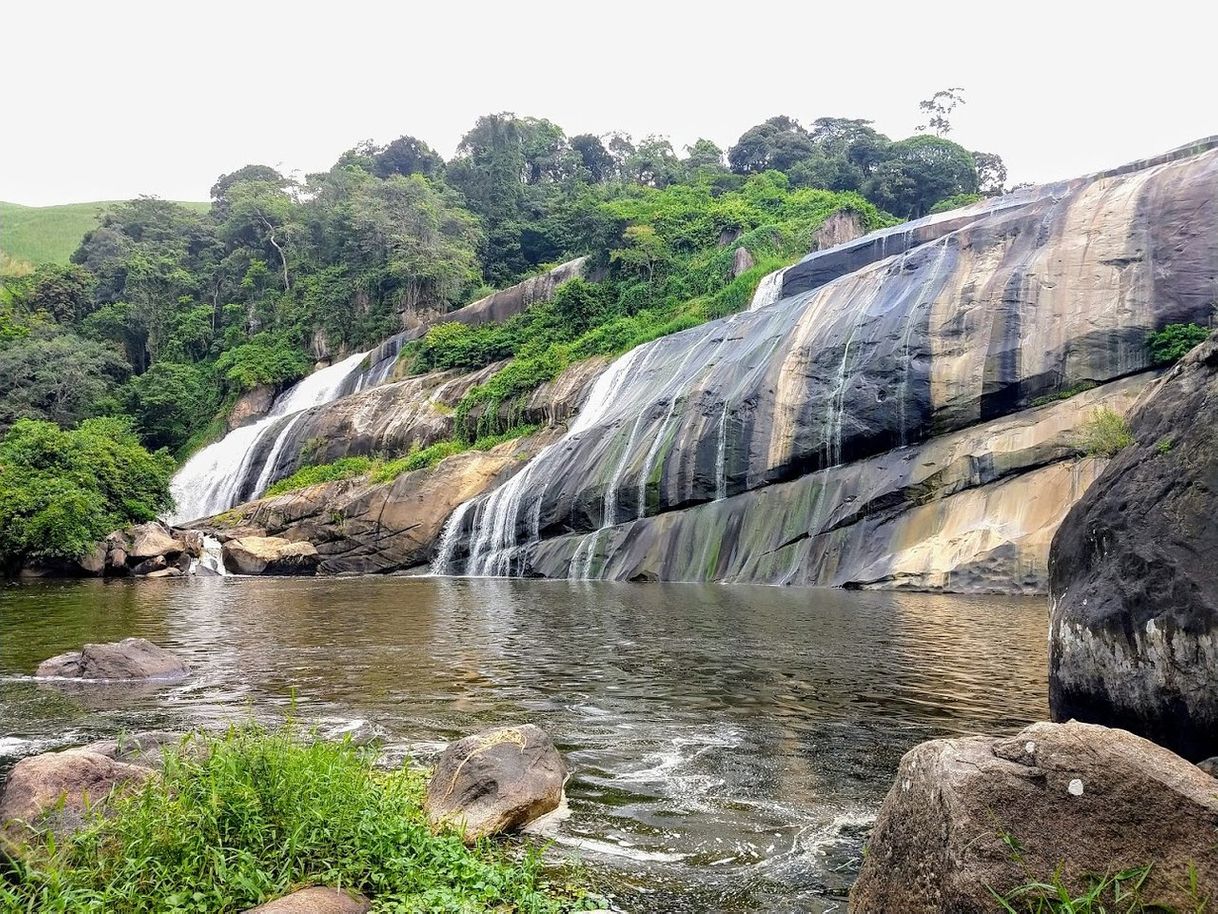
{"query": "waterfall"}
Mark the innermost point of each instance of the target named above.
(769, 290)
(494, 543)
(212, 558)
(217, 477)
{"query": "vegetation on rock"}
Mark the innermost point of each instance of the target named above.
(1170, 344)
(250, 815)
(1105, 433)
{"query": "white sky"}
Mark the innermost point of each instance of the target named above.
(111, 99)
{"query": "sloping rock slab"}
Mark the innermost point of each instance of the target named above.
(496, 781)
(55, 789)
(316, 900)
(979, 813)
(269, 555)
(129, 659)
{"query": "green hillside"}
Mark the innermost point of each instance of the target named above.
(37, 234)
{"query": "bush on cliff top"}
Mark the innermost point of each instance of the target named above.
(1170, 344)
(258, 814)
(62, 490)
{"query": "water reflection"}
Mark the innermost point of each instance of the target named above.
(730, 744)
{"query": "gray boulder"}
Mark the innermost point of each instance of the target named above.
(1132, 578)
(496, 781)
(969, 815)
(269, 555)
(316, 900)
(131, 658)
(153, 539)
(53, 791)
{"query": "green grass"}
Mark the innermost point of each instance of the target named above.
(1114, 893)
(41, 234)
(1104, 434)
(1081, 387)
(261, 813)
(380, 470)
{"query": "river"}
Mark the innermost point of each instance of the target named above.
(729, 745)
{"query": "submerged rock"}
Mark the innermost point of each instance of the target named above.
(131, 658)
(53, 791)
(496, 781)
(316, 900)
(269, 555)
(1133, 577)
(969, 815)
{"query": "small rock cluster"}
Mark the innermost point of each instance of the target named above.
(151, 549)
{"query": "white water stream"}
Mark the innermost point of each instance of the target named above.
(212, 480)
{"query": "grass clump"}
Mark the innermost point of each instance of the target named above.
(343, 468)
(260, 813)
(1104, 434)
(1081, 387)
(1122, 892)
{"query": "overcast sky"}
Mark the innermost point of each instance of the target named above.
(112, 99)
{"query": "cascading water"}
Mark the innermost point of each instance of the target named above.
(769, 290)
(217, 477)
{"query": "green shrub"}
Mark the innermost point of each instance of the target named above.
(1104, 434)
(250, 815)
(343, 468)
(1170, 344)
(1081, 387)
(264, 359)
(61, 491)
(416, 460)
(955, 202)
(1121, 892)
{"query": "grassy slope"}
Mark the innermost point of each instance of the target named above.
(37, 234)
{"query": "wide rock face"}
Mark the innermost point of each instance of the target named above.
(269, 555)
(131, 658)
(496, 781)
(1134, 583)
(969, 815)
(54, 790)
(883, 343)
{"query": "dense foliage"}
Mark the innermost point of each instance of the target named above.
(167, 313)
(1170, 344)
(62, 490)
(240, 818)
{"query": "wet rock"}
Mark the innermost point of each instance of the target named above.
(316, 900)
(131, 658)
(496, 781)
(967, 815)
(269, 555)
(93, 562)
(144, 749)
(154, 565)
(1133, 581)
(54, 790)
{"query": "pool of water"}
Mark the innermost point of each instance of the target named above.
(729, 746)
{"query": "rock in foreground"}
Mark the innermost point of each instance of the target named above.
(1132, 577)
(131, 658)
(496, 781)
(54, 790)
(269, 555)
(979, 813)
(316, 900)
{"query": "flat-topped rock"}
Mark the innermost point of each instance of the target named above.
(496, 781)
(269, 555)
(316, 900)
(129, 659)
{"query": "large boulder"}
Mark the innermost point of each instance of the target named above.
(151, 540)
(131, 658)
(316, 900)
(1132, 577)
(250, 406)
(967, 816)
(269, 555)
(496, 781)
(54, 790)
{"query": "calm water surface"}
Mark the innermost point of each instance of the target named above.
(729, 745)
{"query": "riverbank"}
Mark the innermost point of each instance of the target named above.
(237, 819)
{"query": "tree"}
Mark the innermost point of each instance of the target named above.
(703, 157)
(593, 156)
(991, 174)
(919, 172)
(778, 144)
(61, 491)
(64, 292)
(58, 377)
(219, 191)
(653, 163)
(406, 156)
(938, 110)
(168, 402)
